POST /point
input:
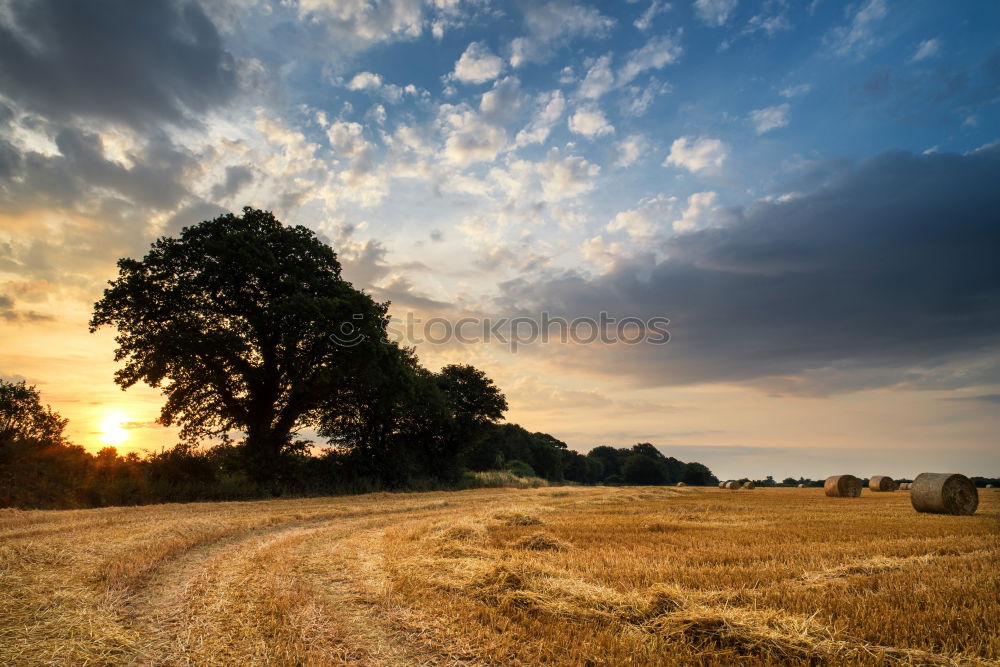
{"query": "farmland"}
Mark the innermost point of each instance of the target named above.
(561, 575)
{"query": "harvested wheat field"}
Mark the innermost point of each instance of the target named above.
(569, 575)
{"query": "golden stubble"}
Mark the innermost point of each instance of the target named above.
(567, 575)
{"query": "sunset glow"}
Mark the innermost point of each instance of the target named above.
(112, 431)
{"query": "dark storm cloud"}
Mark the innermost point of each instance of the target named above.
(236, 177)
(68, 179)
(887, 274)
(135, 62)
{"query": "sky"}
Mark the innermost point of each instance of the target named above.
(807, 191)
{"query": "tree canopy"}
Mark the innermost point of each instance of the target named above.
(245, 324)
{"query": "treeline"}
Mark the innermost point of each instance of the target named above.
(513, 448)
(39, 468)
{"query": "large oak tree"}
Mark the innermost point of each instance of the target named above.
(246, 325)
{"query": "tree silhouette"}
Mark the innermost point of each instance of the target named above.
(246, 325)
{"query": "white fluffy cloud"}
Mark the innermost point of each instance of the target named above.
(477, 65)
(365, 81)
(469, 138)
(629, 150)
(371, 82)
(696, 154)
(769, 118)
(599, 79)
(700, 206)
(564, 177)
(714, 12)
(590, 122)
(550, 108)
(554, 22)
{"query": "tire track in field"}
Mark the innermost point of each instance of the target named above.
(297, 593)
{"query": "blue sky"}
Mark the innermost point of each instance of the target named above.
(807, 190)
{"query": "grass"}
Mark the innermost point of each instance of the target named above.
(574, 575)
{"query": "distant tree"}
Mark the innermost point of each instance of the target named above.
(246, 325)
(23, 417)
(609, 458)
(368, 415)
(698, 474)
(643, 469)
(789, 481)
(474, 405)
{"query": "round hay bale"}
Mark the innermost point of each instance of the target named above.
(944, 493)
(802, 486)
(732, 485)
(881, 483)
(842, 486)
(989, 486)
(681, 484)
(748, 485)
(905, 486)
(722, 485)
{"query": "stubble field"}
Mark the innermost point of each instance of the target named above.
(568, 575)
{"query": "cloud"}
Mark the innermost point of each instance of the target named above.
(11, 315)
(365, 81)
(477, 65)
(927, 49)
(468, 137)
(646, 220)
(599, 79)
(701, 206)
(549, 109)
(565, 177)
(590, 122)
(657, 53)
(237, 177)
(839, 289)
(770, 118)
(136, 63)
(551, 24)
(629, 150)
(638, 100)
(796, 91)
(696, 154)
(858, 36)
(645, 20)
(714, 12)
(373, 83)
(359, 24)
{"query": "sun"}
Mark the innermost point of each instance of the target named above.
(112, 432)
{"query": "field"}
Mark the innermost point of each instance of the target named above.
(563, 575)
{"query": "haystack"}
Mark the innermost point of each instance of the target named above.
(882, 483)
(802, 486)
(722, 485)
(748, 485)
(905, 486)
(842, 486)
(681, 484)
(944, 493)
(732, 485)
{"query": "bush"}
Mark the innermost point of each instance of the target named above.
(520, 468)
